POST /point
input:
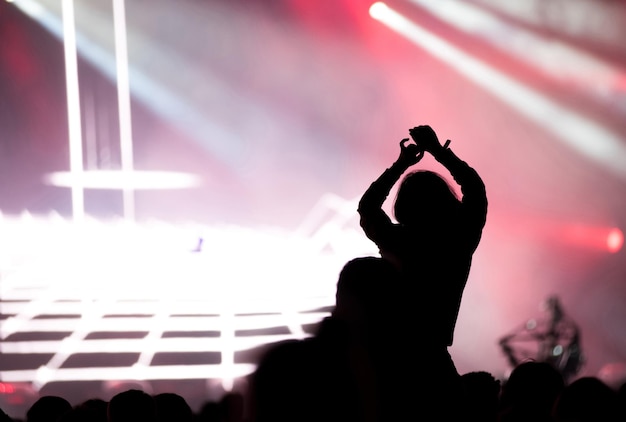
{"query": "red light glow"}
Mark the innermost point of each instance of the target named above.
(608, 239)
(615, 240)
(6, 388)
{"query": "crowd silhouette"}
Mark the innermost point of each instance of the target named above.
(382, 354)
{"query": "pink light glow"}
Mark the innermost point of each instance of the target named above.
(6, 388)
(615, 240)
(608, 239)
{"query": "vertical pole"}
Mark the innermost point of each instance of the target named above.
(123, 98)
(73, 110)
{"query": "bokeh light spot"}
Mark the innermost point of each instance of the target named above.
(615, 240)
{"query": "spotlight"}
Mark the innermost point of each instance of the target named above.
(378, 10)
(615, 240)
(606, 239)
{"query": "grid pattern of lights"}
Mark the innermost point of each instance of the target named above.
(64, 282)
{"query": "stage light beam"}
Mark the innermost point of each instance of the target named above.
(593, 141)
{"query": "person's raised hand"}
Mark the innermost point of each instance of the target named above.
(426, 138)
(410, 153)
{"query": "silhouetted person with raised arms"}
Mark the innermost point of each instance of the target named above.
(432, 245)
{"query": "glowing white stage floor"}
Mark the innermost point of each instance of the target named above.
(78, 296)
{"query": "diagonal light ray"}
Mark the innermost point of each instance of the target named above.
(588, 138)
(221, 142)
(559, 60)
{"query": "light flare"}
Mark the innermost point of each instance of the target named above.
(608, 239)
(120, 179)
(378, 10)
(615, 240)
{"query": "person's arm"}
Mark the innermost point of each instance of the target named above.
(474, 201)
(373, 219)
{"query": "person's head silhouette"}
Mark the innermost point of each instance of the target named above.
(48, 408)
(424, 197)
(132, 406)
(367, 292)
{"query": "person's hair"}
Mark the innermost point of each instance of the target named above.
(132, 406)
(172, 407)
(425, 197)
(48, 408)
(587, 399)
(362, 278)
(366, 293)
(532, 388)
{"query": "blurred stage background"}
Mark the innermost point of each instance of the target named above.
(270, 119)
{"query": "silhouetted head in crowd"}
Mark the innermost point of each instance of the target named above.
(425, 197)
(209, 412)
(319, 378)
(97, 407)
(530, 392)
(80, 414)
(587, 400)
(172, 407)
(482, 396)
(93, 410)
(232, 407)
(621, 398)
(48, 409)
(4, 417)
(132, 406)
(365, 292)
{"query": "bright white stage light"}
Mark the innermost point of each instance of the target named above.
(117, 277)
(615, 240)
(149, 273)
(378, 10)
(119, 179)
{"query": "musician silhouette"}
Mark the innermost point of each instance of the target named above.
(554, 338)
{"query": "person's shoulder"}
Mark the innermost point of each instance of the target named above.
(286, 352)
(284, 362)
